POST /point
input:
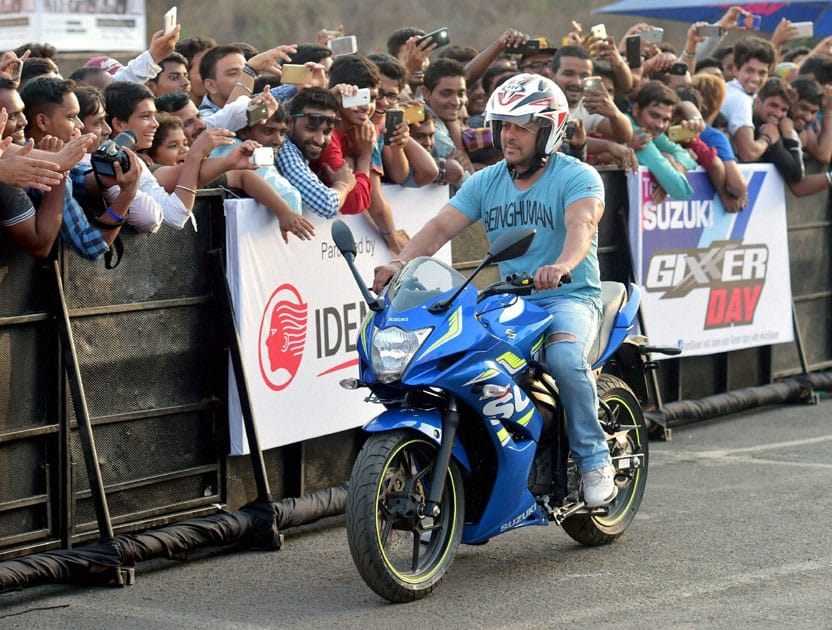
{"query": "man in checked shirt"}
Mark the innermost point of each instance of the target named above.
(314, 113)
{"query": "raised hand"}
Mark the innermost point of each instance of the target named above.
(72, 152)
(22, 171)
(162, 45)
(267, 61)
(239, 158)
(209, 140)
(10, 64)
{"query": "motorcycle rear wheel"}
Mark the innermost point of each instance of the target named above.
(594, 530)
(400, 555)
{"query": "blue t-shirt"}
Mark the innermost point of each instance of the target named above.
(713, 137)
(281, 185)
(490, 195)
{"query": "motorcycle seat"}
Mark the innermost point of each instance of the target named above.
(613, 298)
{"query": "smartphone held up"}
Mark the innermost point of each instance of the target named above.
(749, 22)
(678, 133)
(414, 113)
(256, 113)
(263, 156)
(295, 74)
(169, 20)
(392, 119)
(634, 51)
(593, 84)
(440, 37)
(710, 30)
(343, 45)
(653, 35)
(599, 31)
(360, 98)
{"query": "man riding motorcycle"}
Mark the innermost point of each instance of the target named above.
(563, 199)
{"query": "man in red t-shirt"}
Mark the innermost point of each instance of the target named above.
(355, 142)
(355, 137)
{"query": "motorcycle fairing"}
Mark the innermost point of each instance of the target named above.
(428, 422)
(520, 321)
(363, 345)
(447, 338)
(514, 425)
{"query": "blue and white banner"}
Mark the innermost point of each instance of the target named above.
(714, 281)
(299, 310)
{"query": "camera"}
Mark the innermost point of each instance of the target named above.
(112, 151)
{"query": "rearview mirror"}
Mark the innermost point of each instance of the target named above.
(342, 235)
(511, 244)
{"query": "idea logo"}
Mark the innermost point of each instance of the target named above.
(282, 337)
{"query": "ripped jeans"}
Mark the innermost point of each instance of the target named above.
(568, 340)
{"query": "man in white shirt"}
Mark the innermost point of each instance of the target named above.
(753, 58)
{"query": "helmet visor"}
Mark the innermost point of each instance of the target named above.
(530, 123)
(520, 121)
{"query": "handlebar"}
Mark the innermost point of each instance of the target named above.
(517, 284)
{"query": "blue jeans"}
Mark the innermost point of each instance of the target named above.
(568, 340)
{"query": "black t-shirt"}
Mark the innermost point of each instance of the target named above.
(15, 206)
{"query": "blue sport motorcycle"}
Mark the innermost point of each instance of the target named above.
(472, 441)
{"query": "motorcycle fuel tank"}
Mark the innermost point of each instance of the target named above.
(515, 320)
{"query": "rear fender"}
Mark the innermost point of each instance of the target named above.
(426, 422)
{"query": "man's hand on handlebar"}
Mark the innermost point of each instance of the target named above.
(383, 273)
(551, 277)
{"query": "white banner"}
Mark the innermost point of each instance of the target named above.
(714, 281)
(75, 25)
(299, 311)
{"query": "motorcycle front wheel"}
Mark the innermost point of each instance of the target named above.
(629, 448)
(401, 554)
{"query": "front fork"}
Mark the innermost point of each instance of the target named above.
(450, 423)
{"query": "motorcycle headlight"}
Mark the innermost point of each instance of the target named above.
(393, 349)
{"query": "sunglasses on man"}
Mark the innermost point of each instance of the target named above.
(314, 121)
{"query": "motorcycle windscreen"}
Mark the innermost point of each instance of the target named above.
(422, 280)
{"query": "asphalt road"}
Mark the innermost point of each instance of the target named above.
(733, 533)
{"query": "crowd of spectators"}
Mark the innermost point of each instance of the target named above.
(191, 113)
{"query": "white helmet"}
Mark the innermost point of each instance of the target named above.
(525, 97)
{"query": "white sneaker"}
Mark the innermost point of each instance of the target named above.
(598, 486)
